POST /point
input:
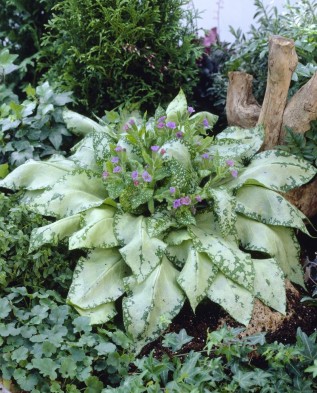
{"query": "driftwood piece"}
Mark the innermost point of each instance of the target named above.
(301, 109)
(242, 108)
(281, 65)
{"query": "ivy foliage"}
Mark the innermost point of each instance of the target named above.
(48, 267)
(46, 347)
(112, 52)
(169, 213)
(228, 364)
(34, 128)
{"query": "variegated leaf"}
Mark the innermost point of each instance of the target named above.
(97, 231)
(83, 154)
(36, 175)
(197, 276)
(176, 237)
(224, 208)
(98, 279)
(199, 117)
(269, 207)
(235, 299)
(276, 170)
(100, 314)
(53, 233)
(178, 253)
(75, 192)
(152, 303)
(101, 145)
(79, 124)
(178, 105)
(140, 251)
(269, 284)
(232, 262)
(276, 241)
(179, 151)
(159, 222)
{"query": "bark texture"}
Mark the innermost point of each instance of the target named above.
(276, 113)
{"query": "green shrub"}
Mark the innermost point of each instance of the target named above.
(170, 213)
(112, 51)
(48, 267)
(21, 27)
(35, 127)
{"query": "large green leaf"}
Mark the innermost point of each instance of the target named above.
(275, 170)
(152, 303)
(178, 253)
(178, 105)
(100, 314)
(98, 279)
(79, 124)
(101, 144)
(199, 117)
(75, 192)
(53, 233)
(197, 276)
(236, 143)
(179, 151)
(236, 300)
(276, 241)
(232, 262)
(97, 231)
(140, 251)
(35, 175)
(159, 222)
(269, 284)
(224, 208)
(84, 155)
(269, 207)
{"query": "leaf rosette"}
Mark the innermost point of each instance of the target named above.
(170, 213)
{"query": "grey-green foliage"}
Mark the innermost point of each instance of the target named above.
(226, 365)
(34, 128)
(169, 213)
(302, 145)
(46, 347)
(111, 52)
(296, 21)
(49, 267)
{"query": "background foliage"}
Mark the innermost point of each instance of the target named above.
(116, 51)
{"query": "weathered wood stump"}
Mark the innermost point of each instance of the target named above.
(276, 112)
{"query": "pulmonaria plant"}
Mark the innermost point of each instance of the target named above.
(169, 214)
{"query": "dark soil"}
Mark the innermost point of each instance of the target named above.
(210, 316)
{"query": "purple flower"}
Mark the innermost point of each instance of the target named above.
(125, 127)
(134, 175)
(161, 119)
(176, 203)
(115, 160)
(160, 125)
(205, 123)
(155, 148)
(117, 169)
(190, 110)
(234, 173)
(118, 148)
(198, 198)
(105, 174)
(146, 177)
(136, 183)
(172, 190)
(131, 121)
(230, 162)
(179, 134)
(171, 124)
(162, 152)
(205, 156)
(185, 200)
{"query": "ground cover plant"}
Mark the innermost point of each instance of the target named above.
(170, 213)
